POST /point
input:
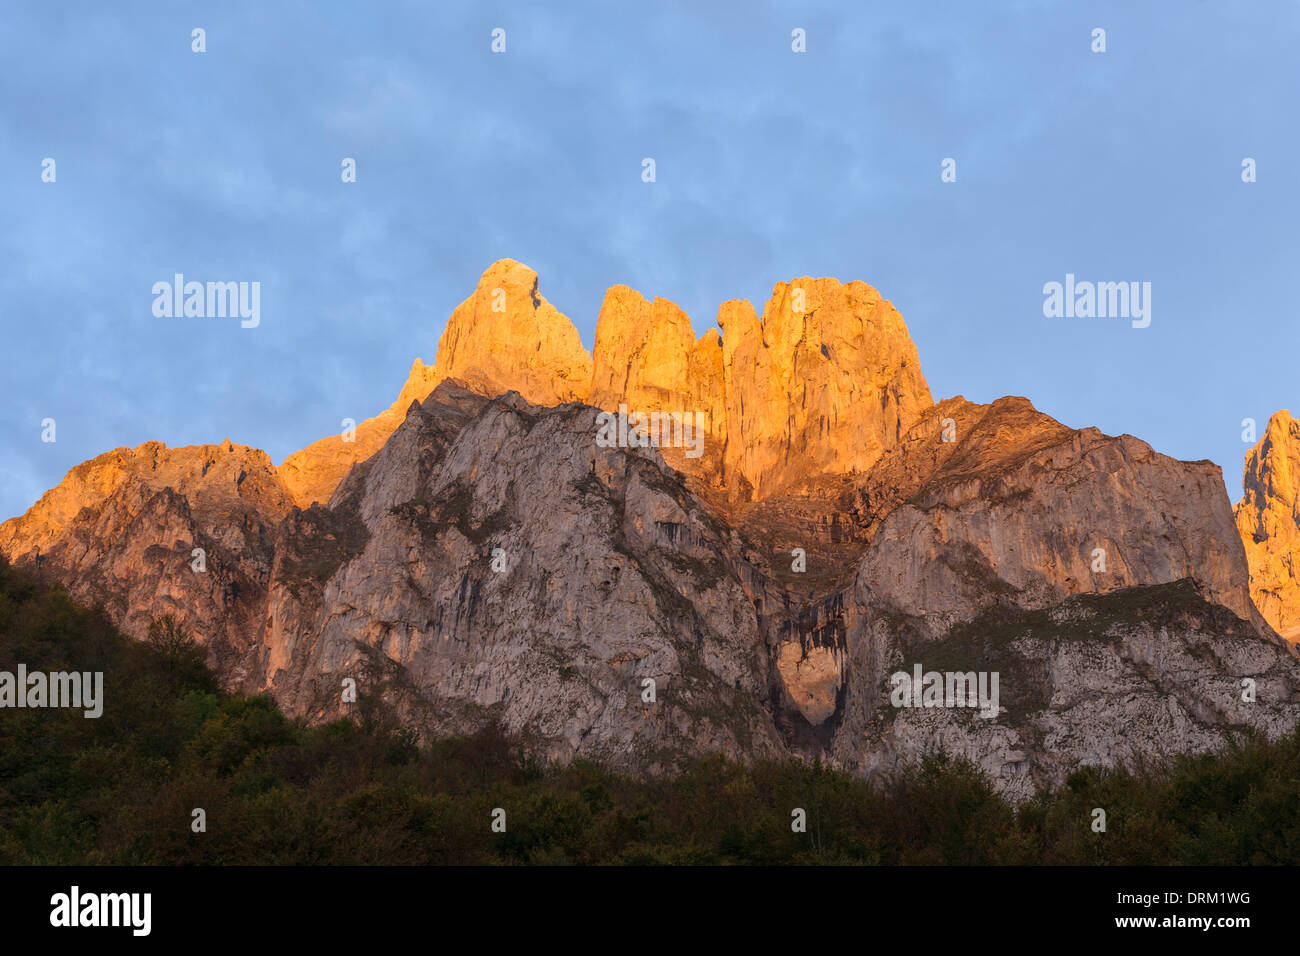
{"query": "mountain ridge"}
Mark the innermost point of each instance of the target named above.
(476, 553)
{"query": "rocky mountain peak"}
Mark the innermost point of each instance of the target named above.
(504, 337)
(1268, 517)
(219, 479)
(507, 337)
(477, 549)
(643, 352)
(824, 383)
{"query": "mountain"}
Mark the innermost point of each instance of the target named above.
(1268, 517)
(778, 394)
(480, 552)
(121, 530)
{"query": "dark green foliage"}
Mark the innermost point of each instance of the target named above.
(122, 788)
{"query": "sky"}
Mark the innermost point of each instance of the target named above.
(225, 165)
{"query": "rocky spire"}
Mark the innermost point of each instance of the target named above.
(504, 337)
(507, 337)
(1268, 517)
(825, 383)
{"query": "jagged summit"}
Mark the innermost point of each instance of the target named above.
(479, 552)
(507, 337)
(824, 383)
(220, 479)
(1268, 517)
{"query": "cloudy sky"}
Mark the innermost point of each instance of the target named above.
(1116, 166)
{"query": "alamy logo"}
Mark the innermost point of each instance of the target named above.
(1098, 300)
(646, 429)
(103, 909)
(211, 300)
(59, 689)
(948, 689)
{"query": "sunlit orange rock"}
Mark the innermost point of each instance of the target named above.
(496, 560)
(825, 383)
(504, 337)
(313, 473)
(507, 337)
(152, 530)
(647, 358)
(1268, 517)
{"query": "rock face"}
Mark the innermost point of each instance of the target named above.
(777, 396)
(505, 337)
(312, 474)
(476, 553)
(121, 530)
(826, 383)
(493, 560)
(647, 358)
(783, 394)
(1018, 507)
(1132, 675)
(1268, 517)
(977, 555)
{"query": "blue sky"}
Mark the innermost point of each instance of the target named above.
(770, 165)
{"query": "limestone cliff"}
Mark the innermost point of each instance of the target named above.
(312, 474)
(1268, 517)
(507, 337)
(1017, 507)
(825, 383)
(504, 337)
(1133, 676)
(647, 358)
(476, 553)
(494, 560)
(121, 530)
(994, 538)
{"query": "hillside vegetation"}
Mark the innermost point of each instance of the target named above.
(121, 789)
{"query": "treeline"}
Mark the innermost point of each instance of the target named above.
(123, 788)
